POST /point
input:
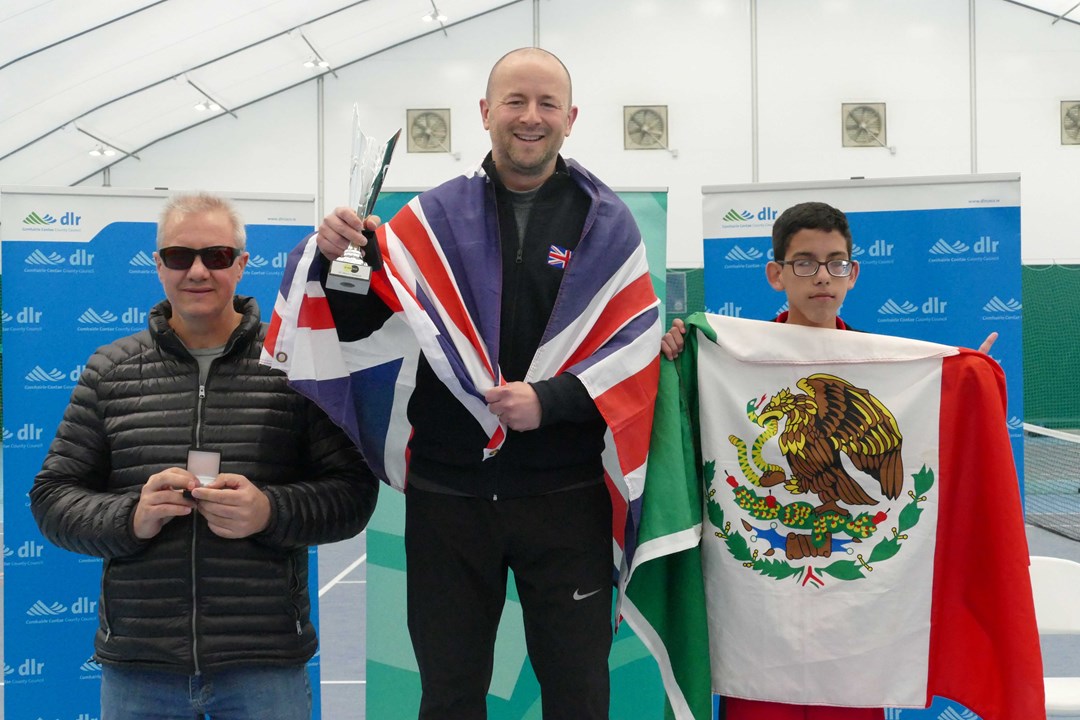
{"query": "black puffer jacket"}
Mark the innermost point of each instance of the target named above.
(188, 600)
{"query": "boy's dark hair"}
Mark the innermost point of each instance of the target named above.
(807, 216)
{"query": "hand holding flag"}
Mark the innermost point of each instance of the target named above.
(516, 405)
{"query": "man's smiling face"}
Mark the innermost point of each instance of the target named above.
(528, 114)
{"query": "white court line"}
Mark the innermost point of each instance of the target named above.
(1037, 430)
(343, 682)
(323, 590)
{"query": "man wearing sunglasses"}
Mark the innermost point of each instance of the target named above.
(204, 604)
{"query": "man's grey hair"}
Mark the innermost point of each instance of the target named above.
(201, 202)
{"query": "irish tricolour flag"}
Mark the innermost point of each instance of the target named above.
(833, 519)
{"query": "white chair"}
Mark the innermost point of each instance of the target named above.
(1055, 584)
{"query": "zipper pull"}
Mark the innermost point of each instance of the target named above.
(299, 630)
(202, 392)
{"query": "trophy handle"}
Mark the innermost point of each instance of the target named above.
(372, 255)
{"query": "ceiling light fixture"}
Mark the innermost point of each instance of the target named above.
(102, 147)
(208, 103)
(316, 60)
(434, 15)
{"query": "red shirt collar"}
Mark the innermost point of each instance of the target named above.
(782, 318)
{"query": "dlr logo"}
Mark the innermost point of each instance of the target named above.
(28, 431)
(730, 309)
(84, 606)
(880, 248)
(81, 257)
(934, 306)
(133, 316)
(31, 667)
(30, 549)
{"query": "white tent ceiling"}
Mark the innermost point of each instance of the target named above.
(124, 74)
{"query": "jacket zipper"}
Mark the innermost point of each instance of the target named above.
(198, 416)
(194, 544)
(199, 407)
(294, 583)
(105, 603)
(517, 270)
(194, 605)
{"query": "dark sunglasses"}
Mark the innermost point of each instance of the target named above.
(216, 257)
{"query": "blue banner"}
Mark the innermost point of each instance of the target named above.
(79, 273)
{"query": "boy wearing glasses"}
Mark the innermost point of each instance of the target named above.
(813, 267)
(204, 604)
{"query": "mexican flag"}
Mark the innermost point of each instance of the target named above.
(833, 519)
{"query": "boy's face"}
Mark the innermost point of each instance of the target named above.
(813, 301)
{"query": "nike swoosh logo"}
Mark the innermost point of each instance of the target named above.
(579, 596)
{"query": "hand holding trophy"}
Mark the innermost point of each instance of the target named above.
(352, 271)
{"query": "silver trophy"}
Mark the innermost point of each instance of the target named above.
(352, 271)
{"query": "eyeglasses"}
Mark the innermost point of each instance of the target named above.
(215, 257)
(805, 267)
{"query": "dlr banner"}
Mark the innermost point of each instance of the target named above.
(939, 261)
(78, 273)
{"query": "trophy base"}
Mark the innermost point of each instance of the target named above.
(347, 275)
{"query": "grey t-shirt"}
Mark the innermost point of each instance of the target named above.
(523, 205)
(205, 356)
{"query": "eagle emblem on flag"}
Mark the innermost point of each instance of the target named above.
(558, 257)
(832, 417)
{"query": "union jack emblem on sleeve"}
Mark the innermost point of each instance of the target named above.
(559, 257)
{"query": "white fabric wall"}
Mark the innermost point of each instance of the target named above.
(695, 57)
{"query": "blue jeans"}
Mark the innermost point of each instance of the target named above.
(253, 693)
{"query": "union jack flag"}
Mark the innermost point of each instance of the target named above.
(437, 277)
(558, 257)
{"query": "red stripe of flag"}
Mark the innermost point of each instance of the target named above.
(496, 439)
(984, 645)
(270, 342)
(409, 228)
(618, 512)
(379, 281)
(628, 409)
(626, 304)
(315, 314)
